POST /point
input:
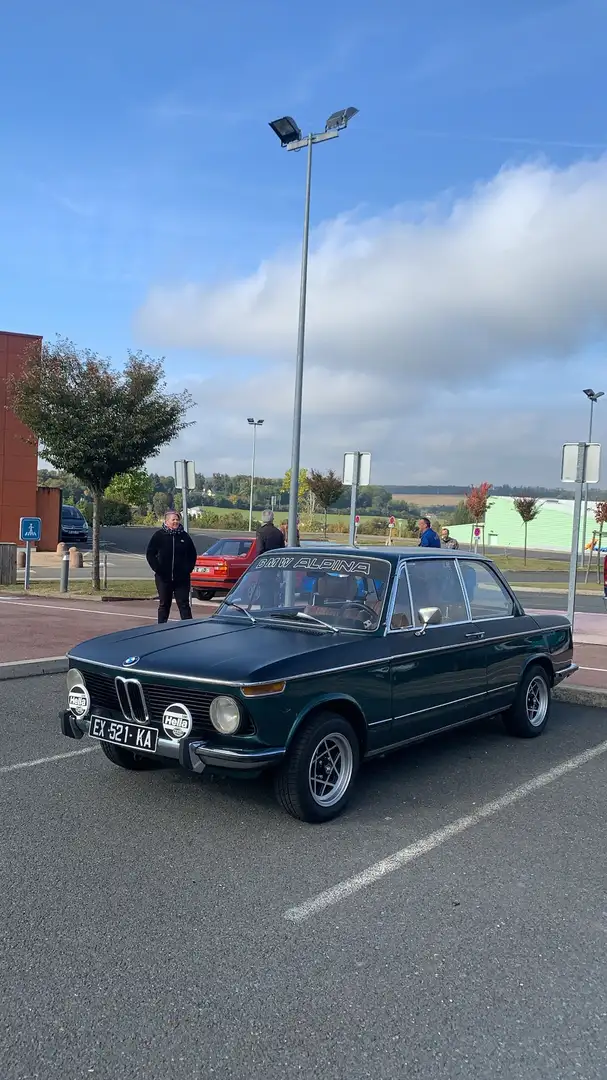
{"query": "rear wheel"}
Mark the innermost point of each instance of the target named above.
(203, 594)
(128, 759)
(530, 713)
(315, 781)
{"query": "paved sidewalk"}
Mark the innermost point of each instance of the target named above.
(38, 627)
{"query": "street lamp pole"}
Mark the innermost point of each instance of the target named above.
(254, 424)
(593, 396)
(291, 138)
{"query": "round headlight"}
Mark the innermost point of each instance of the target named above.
(225, 715)
(78, 699)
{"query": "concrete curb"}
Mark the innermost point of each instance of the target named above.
(24, 669)
(591, 696)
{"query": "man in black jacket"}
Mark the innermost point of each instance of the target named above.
(172, 556)
(268, 536)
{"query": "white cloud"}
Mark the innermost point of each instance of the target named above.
(428, 333)
(516, 268)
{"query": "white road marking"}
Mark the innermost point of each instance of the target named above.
(389, 865)
(46, 760)
(593, 669)
(87, 611)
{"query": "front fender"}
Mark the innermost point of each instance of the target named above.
(323, 700)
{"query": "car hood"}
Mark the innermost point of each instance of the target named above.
(222, 650)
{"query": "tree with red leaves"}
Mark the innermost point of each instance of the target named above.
(600, 516)
(477, 502)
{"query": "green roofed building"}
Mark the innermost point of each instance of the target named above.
(550, 531)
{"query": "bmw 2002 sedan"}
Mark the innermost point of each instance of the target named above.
(315, 661)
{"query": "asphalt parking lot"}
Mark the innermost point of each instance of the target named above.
(156, 925)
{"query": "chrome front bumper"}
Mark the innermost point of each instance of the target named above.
(191, 754)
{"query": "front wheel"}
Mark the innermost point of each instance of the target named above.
(128, 759)
(315, 781)
(529, 715)
(203, 594)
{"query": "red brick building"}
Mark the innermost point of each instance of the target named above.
(18, 448)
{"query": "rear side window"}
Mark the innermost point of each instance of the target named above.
(436, 583)
(487, 596)
(230, 547)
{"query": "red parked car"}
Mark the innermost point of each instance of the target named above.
(221, 566)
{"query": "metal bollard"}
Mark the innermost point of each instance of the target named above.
(105, 570)
(65, 574)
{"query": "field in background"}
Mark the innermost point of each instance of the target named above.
(428, 500)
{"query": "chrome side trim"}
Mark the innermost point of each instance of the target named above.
(375, 723)
(427, 735)
(324, 671)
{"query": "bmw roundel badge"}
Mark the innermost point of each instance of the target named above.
(130, 660)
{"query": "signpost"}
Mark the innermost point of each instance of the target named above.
(185, 478)
(30, 531)
(357, 472)
(391, 528)
(477, 533)
(580, 466)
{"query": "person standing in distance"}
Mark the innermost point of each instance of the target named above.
(427, 536)
(172, 556)
(448, 540)
(268, 536)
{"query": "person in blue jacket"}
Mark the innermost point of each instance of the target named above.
(427, 536)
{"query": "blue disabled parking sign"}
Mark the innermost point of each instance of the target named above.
(30, 529)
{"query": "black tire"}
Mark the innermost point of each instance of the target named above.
(203, 594)
(293, 785)
(528, 717)
(128, 759)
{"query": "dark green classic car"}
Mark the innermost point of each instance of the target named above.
(318, 658)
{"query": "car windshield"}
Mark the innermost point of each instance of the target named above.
(71, 513)
(345, 592)
(229, 547)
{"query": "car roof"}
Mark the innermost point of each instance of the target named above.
(391, 554)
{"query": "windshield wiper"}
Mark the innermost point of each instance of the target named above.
(303, 615)
(230, 603)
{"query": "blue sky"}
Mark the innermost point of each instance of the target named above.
(138, 169)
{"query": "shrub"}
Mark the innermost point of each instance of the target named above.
(112, 513)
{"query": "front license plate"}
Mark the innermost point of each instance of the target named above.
(116, 731)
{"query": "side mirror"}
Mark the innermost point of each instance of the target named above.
(430, 616)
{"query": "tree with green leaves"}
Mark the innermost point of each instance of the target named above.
(161, 502)
(304, 486)
(327, 489)
(527, 509)
(92, 420)
(134, 488)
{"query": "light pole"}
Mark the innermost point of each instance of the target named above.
(593, 396)
(254, 424)
(291, 138)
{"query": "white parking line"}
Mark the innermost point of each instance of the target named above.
(87, 611)
(408, 854)
(593, 669)
(46, 760)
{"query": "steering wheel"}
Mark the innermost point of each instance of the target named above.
(361, 605)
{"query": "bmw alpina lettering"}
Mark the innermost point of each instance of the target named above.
(177, 721)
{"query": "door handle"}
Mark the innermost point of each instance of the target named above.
(478, 636)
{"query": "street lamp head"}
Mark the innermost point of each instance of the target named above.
(256, 423)
(594, 395)
(339, 120)
(286, 129)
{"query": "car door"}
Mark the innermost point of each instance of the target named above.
(495, 612)
(438, 677)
